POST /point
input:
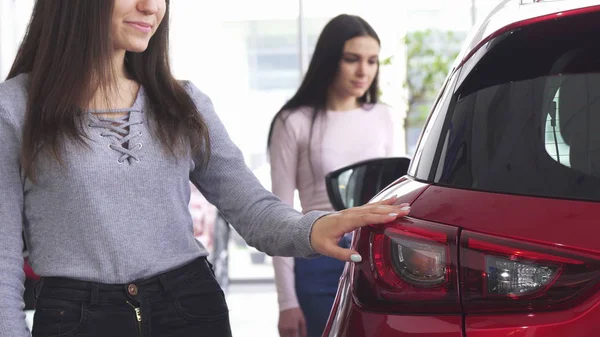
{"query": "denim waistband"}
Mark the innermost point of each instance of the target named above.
(96, 292)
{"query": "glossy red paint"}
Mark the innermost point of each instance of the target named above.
(508, 216)
(510, 14)
(562, 224)
(565, 224)
(351, 321)
(538, 15)
(580, 321)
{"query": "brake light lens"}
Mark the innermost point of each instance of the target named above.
(412, 268)
(502, 275)
(418, 263)
(514, 279)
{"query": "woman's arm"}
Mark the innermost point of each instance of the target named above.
(12, 276)
(260, 217)
(283, 155)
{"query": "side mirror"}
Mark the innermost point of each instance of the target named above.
(356, 184)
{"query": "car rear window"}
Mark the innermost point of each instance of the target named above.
(526, 120)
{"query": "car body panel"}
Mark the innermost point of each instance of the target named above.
(579, 321)
(510, 13)
(350, 320)
(534, 219)
(557, 225)
(561, 224)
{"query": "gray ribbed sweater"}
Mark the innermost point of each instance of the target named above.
(119, 214)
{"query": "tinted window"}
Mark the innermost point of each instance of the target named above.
(527, 119)
(420, 166)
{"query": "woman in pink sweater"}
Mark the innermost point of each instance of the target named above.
(332, 121)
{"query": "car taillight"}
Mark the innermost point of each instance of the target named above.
(412, 268)
(500, 275)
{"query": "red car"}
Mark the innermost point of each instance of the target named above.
(504, 190)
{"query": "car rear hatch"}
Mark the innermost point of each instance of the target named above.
(517, 170)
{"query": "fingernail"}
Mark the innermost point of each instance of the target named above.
(405, 209)
(356, 258)
(393, 214)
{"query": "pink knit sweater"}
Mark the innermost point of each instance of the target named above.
(339, 138)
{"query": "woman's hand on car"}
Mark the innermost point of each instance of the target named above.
(328, 230)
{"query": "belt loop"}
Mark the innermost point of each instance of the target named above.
(94, 294)
(164, 282)
(210, 266)
(37, 289)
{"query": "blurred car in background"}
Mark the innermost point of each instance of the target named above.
(213, 231)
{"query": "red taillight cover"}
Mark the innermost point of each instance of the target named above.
(413, 267)
(501, 275)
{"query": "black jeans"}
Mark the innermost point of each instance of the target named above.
(187, 301)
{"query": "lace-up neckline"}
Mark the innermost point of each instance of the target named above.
(119, 131)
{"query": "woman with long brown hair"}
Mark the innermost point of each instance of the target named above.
(98, 143)
(320, 129)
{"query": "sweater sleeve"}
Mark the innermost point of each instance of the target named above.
(12, 276)
(283, 154)
(260, 217)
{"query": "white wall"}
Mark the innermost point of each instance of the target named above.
(7, 36)
(14, 16)
(206, 50)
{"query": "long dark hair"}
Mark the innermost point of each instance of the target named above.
(67, 51)
(323, 68)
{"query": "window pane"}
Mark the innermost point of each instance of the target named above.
(526, 120)
(14, 17)
(246, 58)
